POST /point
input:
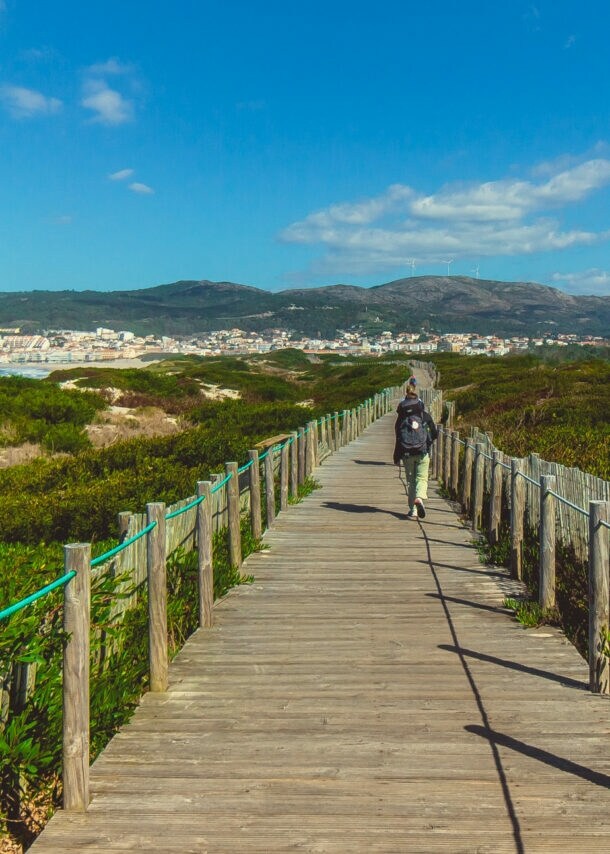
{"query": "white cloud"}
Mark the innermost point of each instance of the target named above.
(570, 42)
(121, 175)
(112, 66)
(24, 103)
(144, 189)
(593, 281)
(506, 217)
(39, 54)
(507, 200)
(63, 219)
(108, 105)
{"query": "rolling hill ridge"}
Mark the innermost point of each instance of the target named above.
(440, 303)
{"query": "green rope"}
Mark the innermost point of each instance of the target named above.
(222, 483)
(17, 606)
(244, 467)
(186, 507)
(96, 561)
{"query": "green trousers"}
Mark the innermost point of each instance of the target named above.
(416, 473)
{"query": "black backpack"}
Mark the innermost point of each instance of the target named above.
(413, 433)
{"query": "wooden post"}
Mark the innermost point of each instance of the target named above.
(314, 446)
(308, 443)
(547, 542)
(323, 440)
(301, 444)
(337, 436)
(344, 428)
(77, 608)
(294, 464)
(204, 553)
(477, 503)
(284, 477)
(123, 524)
(450, 413)
(495, 498)
(233, 514)
(157, 598)
(447, 460)
(599, 596)
(269, 488)
(255, 494)
(440, 461)
(455, 463)
(517, 509)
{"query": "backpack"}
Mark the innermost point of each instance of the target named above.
(413, 435)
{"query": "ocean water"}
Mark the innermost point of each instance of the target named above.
(17, 370)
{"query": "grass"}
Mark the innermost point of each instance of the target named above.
(530, 614)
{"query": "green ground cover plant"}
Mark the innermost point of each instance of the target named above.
(35, 411)
(560, 410)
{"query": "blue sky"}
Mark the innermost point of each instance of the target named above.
(285, 145)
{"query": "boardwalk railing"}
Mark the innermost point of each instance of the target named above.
(140, 560)
(563, 505)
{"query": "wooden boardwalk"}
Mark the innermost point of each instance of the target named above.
(367, 693)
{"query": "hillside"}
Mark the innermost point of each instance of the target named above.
(445, 303)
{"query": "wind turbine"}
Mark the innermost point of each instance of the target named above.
(448, 263)
(476, 271)
(412, 265)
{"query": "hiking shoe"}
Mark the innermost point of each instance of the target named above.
(412, 514)
(419, 508)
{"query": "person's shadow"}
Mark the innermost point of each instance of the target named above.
(361, 508)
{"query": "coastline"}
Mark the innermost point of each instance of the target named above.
(36, 370)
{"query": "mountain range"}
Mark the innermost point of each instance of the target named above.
(432, 303)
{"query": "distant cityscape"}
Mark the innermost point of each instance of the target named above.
(106, 345)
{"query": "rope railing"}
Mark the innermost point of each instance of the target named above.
(184, 509)
(115, 551)
(542, 500)
(23, 603)
(565, 501)
(221, 483)
(528, 479)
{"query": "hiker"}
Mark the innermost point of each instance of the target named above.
(415, 431)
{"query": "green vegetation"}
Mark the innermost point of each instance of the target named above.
(558, 405)
(560, 410)
(135, 387)
(33, 411)
(529, 613)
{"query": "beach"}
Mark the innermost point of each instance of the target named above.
(36, 370)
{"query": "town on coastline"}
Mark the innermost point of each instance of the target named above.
(104, 345)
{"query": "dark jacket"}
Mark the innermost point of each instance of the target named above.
(412, 406)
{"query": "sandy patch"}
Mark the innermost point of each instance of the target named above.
(14, 456)
(120, 422)
(215, 392)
